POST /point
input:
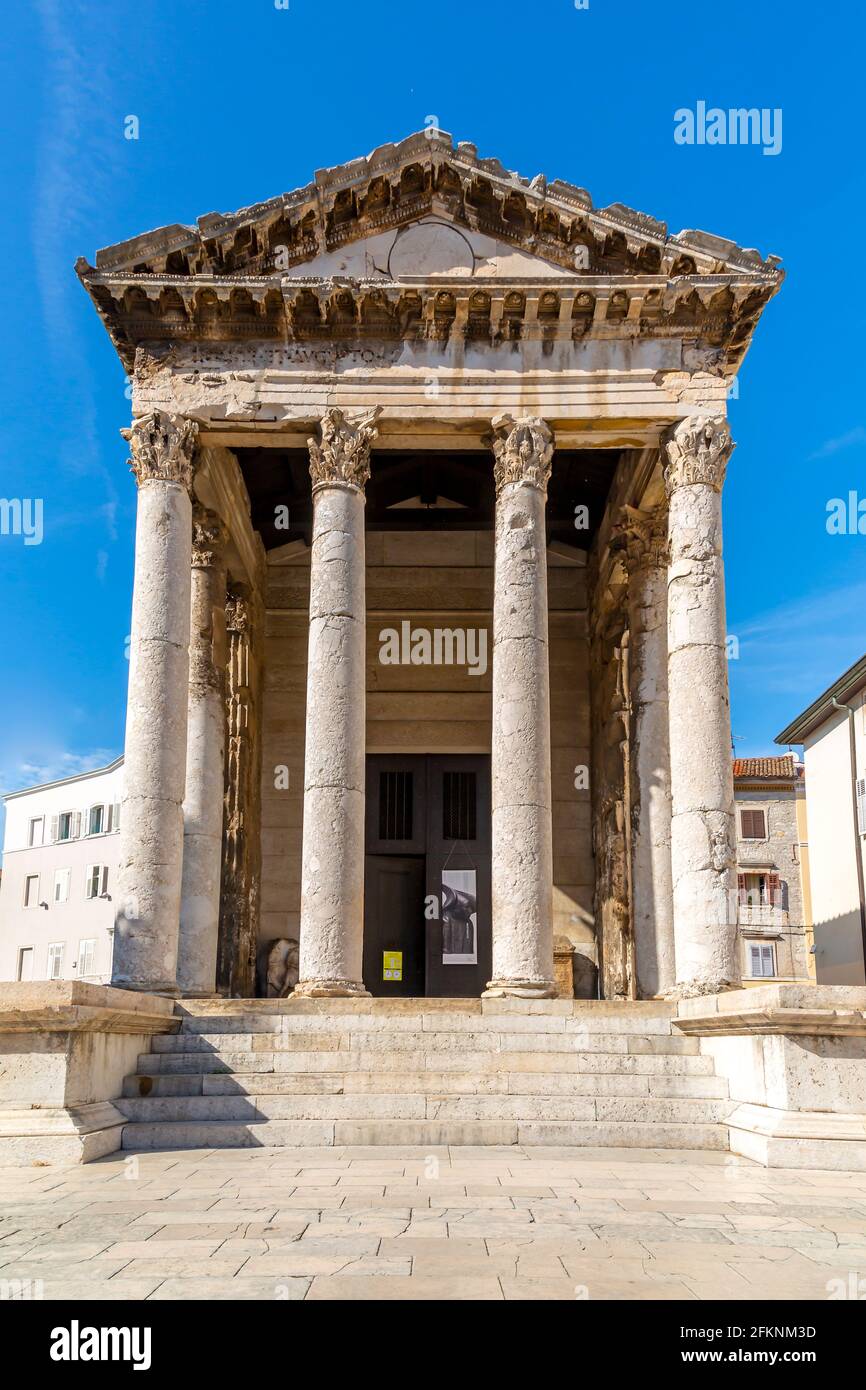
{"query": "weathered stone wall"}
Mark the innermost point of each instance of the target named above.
(445, 581)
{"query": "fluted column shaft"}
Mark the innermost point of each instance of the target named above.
(151, 834)
(522, 833)
(652, 888)
(332, 856)
(203, 799)
(703, 854)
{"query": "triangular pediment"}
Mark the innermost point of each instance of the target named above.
(425, 240)
(426, 177)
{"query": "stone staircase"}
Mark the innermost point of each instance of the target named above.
(290, 1072)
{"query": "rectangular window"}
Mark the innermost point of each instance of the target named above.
(762, 960)
(34, 831)
(861, 805)
(753, 825)
(96, 820)
(761, 890)
(96, 881)
(55, 960)
(61, 885)
(31, 890)
(86, 953)
(25, 963)
(68, 825)
(395, 805)
(459, 799)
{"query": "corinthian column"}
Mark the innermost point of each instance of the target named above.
(332, 859)
(702, 791)
(151, 836)
(646, 552)
(203, 799)
(522, 853)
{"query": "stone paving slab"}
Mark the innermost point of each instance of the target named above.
(374, 1224)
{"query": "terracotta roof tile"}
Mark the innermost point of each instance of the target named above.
(766, 767)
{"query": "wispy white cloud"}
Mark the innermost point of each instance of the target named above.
(800, 647)
(841, 441)
(53, 767)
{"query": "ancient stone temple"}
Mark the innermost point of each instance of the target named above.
(428, 587)
(428, 831)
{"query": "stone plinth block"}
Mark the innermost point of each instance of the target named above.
(794, 1057)
(65, 1048)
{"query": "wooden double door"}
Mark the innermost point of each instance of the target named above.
(427, 915)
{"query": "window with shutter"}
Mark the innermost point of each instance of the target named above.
(55, 828)
(61, 885)
(55, 960)
(861, 805)
(86, 953)
(752, 825)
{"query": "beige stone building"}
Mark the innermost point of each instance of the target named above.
(773, 885)
(429, 463)
(428, 697)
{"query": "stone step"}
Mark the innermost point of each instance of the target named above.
(424, 1021)
(369, 1106)
(358, 1060)
(441, 1041)
(425, 1133)
(223, 1016)
(427, 1083)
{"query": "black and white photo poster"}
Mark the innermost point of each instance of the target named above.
(459, 917)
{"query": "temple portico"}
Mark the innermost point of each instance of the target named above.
(424, 391)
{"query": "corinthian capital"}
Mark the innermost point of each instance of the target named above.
(697, 451)
(642, 538)
(162, 447)
(344, 453)
(209, 535)
(523, 449)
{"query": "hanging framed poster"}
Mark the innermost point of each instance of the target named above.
(459, 917)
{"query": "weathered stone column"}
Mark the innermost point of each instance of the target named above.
(702, 793)
(205, 755)
(151, 833)
(332, 859)
(522, 842)
(646, 551)
(240, 897)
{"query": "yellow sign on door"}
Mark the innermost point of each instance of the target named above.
(392, 965)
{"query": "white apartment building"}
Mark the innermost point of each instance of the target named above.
(60, 856)
(833, 734)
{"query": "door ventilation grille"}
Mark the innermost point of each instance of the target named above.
(395, 805)
(458, 805)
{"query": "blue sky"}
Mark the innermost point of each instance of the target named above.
(237, 102)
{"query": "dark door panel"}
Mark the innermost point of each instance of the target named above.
(394, 921)
(428, 874)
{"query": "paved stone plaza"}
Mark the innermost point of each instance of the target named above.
(362, 1223)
